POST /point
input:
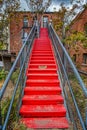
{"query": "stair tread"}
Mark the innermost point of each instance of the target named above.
(42, 88)
(42, 74)
(40, 69)
(42, 97)
(42, 109)
(44, 123)
(43, 80)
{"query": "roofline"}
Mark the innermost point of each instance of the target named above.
(78, 16)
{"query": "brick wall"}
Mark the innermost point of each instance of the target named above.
(80, 21)
(16, 30)
(78, 25)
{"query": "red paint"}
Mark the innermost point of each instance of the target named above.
(42, 103)
(42, 76)
(35, 66)
(42, 99)
(42, 83)
(36, 123)
(43, 110)
(42, 90)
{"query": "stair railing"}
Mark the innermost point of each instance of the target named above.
(75, 91)
(12, 89)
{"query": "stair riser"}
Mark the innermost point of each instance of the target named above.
(42, 55)
(42, 58)
(48, 54)
(42, 77)
(42, 49)
(42, 92)
(40, 71)
(44, 84)
(43, 114)
(42, 62)
(42, 102)
(35, 66)
(35, 51)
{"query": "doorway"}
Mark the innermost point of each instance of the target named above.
(45, 21)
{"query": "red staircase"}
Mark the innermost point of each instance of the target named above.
(42, 103)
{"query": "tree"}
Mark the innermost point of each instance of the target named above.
(76, 4)
(8, 7)
(38, 6)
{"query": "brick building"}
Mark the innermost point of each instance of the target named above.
(79, 53)
(20, 26)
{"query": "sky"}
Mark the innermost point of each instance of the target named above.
(55, 4)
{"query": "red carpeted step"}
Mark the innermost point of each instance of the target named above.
(35, 51)
(42, 70)
(42, 62)
(48, 66)
(42, 90)
(42, 76)
(43, 110)
(43, 83)
(46, 123)
(43, 54)
(42, 99)
(42, 58)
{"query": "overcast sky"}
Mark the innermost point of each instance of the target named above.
(55, 4)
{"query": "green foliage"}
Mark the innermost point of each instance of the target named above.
(19, 126)
(75, 37)
(67, 28)
(85, 28)
(14, 77)
(5, 18)
(85, 45)
(2, 46)
(14, 121)
(58, 26)
(3, 74)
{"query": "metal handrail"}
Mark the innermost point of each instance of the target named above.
(22, 57)
(72, 65)
(57, 43)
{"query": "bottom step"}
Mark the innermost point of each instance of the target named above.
(44, 123)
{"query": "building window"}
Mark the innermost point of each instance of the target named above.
(25, 22)
(85, 28)
(74, 57)
(85, 58)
